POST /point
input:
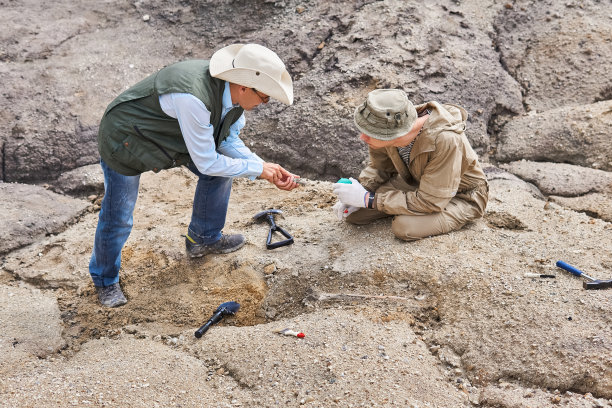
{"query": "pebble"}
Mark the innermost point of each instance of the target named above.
(146, 17)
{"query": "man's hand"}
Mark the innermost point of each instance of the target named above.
(288, 183)
(351, 194)
(342, 210)
(272, 172)
(278, 176)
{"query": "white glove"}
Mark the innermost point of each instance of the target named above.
(342, 210)
(351, 194)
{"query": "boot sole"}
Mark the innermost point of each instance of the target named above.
(225, 251)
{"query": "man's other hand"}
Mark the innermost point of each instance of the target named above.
(278, 176)
(288, 183)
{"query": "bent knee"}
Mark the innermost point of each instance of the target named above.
(406, 230)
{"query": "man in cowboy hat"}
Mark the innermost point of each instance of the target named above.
(189, 113)
(422, 169)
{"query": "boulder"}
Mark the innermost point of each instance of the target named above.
(558, 51)
(577, 135)
(42, 152)
(598, 205)
(561, 179)
(84, 180)
(30, 212)
(431, 51)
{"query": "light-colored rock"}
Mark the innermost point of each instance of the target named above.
(31, 212)
(561, 179)
(598, 205)
(477, 303)
(464, 292)
(82, 181)
(578, 135)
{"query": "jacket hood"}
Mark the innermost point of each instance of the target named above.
(446, 117)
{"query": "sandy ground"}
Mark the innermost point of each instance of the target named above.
(448, 321)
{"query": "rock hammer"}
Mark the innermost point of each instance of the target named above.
(592, 282)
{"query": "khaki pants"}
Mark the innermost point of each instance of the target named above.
(462, 208)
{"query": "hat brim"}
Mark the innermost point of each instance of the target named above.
(221, 67)
(376, 132)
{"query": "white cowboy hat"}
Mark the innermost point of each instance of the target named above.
(255, 66)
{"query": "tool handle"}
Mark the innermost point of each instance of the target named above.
(280, 230)
(570, 268)
(213, 320)
(538, 275)
(200, 332)
(575, 271)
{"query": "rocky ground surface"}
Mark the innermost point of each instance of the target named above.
(444, 322)
(449, 321)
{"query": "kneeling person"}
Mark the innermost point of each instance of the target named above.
(422, 169)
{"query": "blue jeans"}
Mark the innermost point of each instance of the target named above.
(116, 218)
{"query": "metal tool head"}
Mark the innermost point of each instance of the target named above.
(228, 308)
(268, 215)
(264, 215)
(597, 284)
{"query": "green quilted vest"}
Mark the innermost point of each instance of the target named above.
(136, 135)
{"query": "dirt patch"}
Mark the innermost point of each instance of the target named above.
(504, 220)
(172, 293)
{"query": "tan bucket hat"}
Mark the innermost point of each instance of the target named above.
(386, 114)
(255, 66)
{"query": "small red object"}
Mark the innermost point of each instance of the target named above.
(289, 332)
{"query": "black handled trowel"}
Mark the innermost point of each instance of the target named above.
(226, 309)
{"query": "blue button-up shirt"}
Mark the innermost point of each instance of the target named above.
(233, 158)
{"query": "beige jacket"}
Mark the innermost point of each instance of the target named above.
(442, 164)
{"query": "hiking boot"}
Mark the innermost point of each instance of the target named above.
(227, 244)
(111, 296)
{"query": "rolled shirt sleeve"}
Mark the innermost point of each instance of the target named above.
(234, 147)
(232, 159)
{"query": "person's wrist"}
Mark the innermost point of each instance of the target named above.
(371, 200)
